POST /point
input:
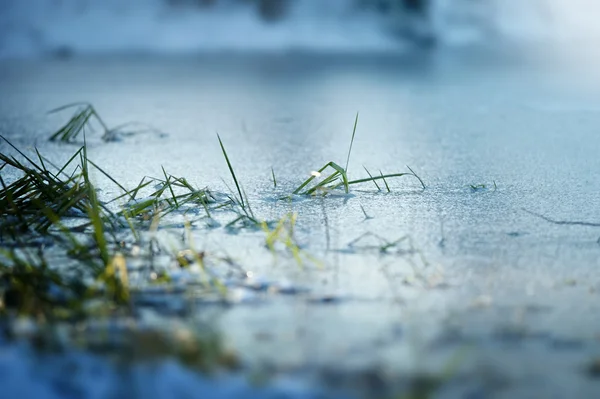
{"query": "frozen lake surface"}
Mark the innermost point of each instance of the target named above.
(512, 295)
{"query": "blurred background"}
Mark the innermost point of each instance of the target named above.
(70, 27)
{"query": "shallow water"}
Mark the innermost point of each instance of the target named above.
(516, 296)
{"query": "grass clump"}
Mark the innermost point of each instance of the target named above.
(84, 115)
(41, 197)
(62, 205)
(338, 177)
(168, 195)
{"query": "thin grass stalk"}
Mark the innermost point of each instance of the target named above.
(351, 142)
(231, 171)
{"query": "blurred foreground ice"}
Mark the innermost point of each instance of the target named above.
(24, 374)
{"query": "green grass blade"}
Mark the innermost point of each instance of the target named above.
(77, 153)
(351, 142)
(41, 159)
(274, 179)
(71, 105)
(231, 171)
(22, 154)
(108, 176)
(415, 175)
(358, 181)
(384, 182)
(251, 213)
(371, 176)
(99, 119)
(168, 183)
(339, 171)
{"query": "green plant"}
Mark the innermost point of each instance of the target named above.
(338, 177)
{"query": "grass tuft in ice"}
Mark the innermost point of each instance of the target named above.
(83, 117)
(41, 196)
(240, 204)
(62, 205)
(168, 195)
(65, 208)
(335, 179)
(482, 187)
(338, 177)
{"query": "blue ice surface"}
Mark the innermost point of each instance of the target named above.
(27, 374)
